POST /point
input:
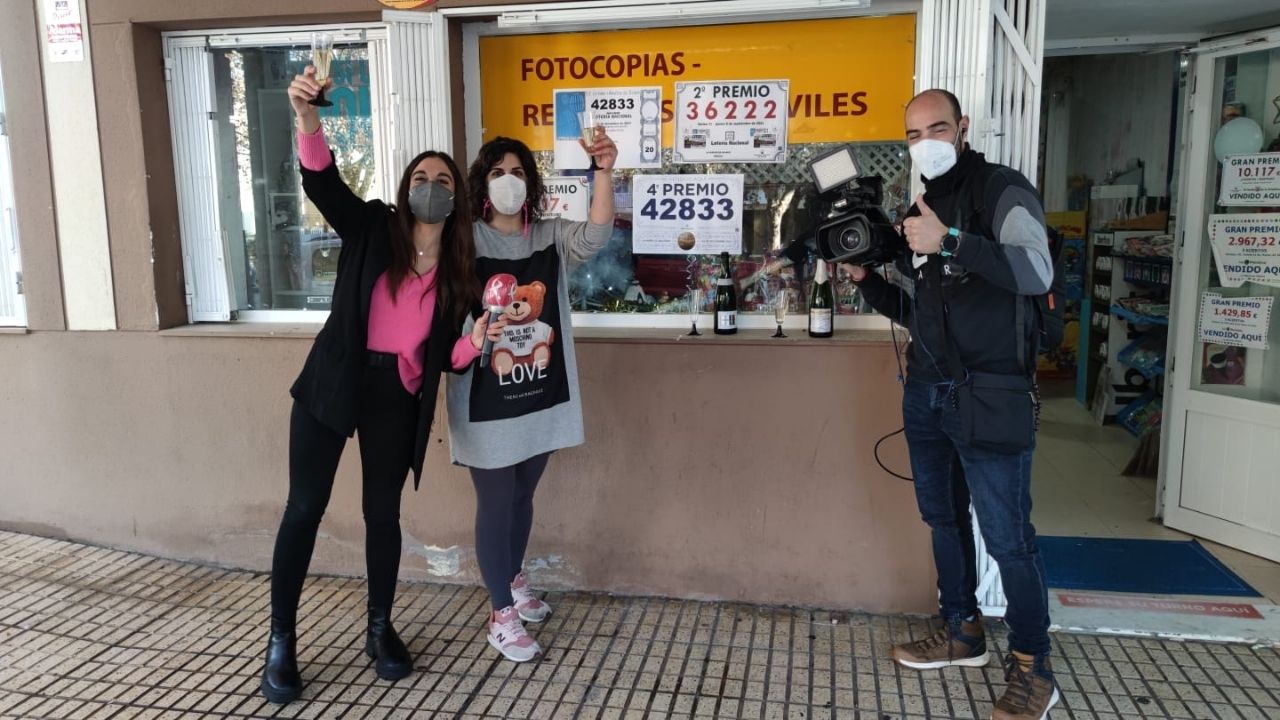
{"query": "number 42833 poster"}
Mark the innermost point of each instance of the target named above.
(686, 214)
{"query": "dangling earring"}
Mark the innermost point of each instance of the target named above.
(524, 210)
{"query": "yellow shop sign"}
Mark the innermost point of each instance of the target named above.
(850, 77)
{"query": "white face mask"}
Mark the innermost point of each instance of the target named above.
(507, 193)
(933, 157)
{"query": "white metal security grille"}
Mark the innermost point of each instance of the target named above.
(189, 75)
(418, 67)
(990, 53)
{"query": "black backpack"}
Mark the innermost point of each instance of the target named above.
(1050, 315)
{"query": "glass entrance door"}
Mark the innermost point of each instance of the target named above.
(1222, 456)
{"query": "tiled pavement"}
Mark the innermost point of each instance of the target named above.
(87, 632)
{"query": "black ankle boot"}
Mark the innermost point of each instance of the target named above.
(391, 659)
(281, 682)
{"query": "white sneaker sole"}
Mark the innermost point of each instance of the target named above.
(1052, 701)
(532, 618)
(980, 661)
(514, 658)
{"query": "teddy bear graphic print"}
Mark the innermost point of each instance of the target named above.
(526, 372)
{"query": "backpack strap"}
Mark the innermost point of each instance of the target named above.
(1020, 317)
(954, 366)
(978, 194)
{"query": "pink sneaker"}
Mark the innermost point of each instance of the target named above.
(531, 609)
(507, 635)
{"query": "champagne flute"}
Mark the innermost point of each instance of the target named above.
(321, 58)
(780, 309)
(695, 306)
(587, 121)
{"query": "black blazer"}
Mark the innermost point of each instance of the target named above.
(327, 386)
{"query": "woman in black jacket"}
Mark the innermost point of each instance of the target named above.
(404, 285)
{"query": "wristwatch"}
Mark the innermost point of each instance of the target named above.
(950, 242)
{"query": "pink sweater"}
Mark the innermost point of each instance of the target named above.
(394, 327)
(402, 327)
(313, 150)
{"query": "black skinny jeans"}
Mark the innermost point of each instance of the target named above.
(387, 422)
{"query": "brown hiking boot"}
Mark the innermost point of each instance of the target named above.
(963, 643)
(1031, 691)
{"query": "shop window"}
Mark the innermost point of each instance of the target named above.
(780, 208)
(517, 76)
(253, 245)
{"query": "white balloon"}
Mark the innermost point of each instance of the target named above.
(1241, 136)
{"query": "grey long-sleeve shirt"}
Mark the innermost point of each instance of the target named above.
(527, 401)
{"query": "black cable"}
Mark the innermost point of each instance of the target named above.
(879, 462)
(897, 355)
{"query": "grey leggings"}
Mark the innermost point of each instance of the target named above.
(504, 517)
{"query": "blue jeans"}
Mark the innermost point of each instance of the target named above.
(948, 476)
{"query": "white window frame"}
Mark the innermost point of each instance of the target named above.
(595, 15)
(11, 289)
(195, 202)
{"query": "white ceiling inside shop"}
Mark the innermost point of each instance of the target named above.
(1102, 23)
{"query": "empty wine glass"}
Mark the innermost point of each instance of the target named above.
(321, 58)
(780, 302)
(695, 306)
(587, 122)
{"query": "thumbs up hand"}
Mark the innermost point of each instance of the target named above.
(925, 232)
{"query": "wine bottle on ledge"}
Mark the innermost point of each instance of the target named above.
(726, 299)
(822, 302)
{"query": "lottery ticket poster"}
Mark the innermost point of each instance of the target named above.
(686, 214)
(1239, 322)
(566, 197)
(1251, 180)
(632, 117)
(1246, 248)
(731, 121)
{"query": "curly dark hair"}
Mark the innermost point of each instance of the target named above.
(490, 155)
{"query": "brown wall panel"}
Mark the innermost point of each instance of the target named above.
(125, 174)
(710, 471)
(161, 189)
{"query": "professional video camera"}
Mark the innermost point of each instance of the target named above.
(852, 227)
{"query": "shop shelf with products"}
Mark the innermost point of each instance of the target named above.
(1095, 312)
(1138, 310)
(1142, 313)
(1142, 413)
(1146, 355)
(1155, 272)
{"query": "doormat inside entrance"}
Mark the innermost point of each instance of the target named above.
(1158, 567)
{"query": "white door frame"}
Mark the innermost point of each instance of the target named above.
(994, 63)
(1182, 400)
(13, 309)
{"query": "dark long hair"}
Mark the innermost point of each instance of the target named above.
(457, 288)
(490, 155)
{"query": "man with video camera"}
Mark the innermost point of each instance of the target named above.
(979, 257)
